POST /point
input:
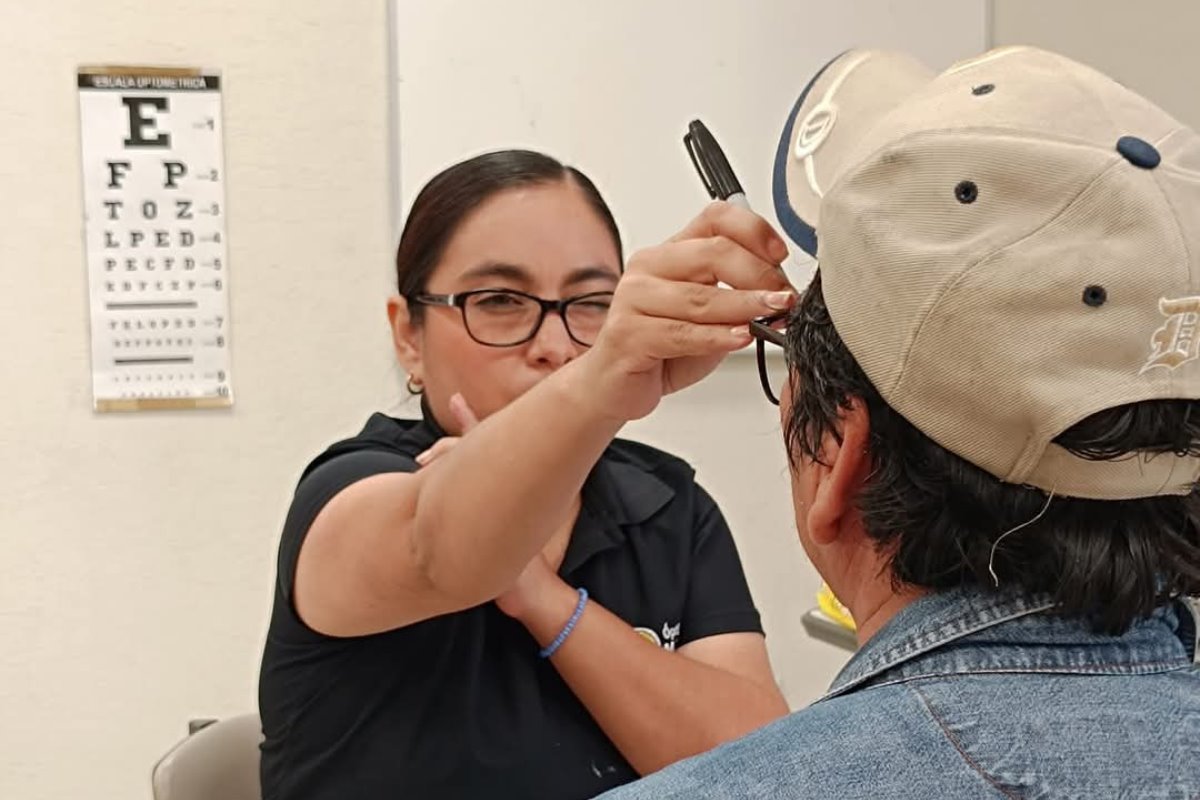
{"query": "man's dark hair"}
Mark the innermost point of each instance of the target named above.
(938, 517)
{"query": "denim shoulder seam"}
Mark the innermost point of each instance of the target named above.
(958, 746)
(1095, 670)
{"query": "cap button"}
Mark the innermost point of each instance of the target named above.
(1139, 152)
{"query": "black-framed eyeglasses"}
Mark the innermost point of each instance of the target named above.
(773, 373)
(507, 317)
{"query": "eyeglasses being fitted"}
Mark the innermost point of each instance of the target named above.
(772, 372)
(507, 317)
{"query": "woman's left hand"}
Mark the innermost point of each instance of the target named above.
(467, 420)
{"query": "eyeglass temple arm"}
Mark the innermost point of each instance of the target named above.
(436, 299)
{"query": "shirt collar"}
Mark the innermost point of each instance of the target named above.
(927, 624)
(936, 620)
(620, 492)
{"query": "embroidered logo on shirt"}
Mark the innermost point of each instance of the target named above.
(649, 635)
(1176, 342)
(670, 633)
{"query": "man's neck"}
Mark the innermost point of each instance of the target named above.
(875, 608)
(865, 587)
(861, 578)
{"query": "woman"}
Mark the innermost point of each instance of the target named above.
(535, 609)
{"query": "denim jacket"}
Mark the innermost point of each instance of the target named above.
(972, 695)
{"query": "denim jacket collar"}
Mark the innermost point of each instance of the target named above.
(968, 630)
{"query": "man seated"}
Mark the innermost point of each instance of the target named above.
(993, 420)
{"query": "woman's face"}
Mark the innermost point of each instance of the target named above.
(545, 240)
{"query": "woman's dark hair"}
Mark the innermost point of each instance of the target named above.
(938, 517)
(444, 202)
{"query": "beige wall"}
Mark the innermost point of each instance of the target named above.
(136, 551)
(1150, 45)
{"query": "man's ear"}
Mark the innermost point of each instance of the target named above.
(844, 468)
(406, 337)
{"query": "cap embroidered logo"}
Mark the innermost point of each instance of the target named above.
(1175, 343)
(815, 129)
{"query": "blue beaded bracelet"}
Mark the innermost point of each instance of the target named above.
(551, 648)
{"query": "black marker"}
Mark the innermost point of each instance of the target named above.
(713, 166)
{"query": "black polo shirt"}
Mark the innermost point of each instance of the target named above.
(461, 706)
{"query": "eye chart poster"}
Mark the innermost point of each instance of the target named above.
(154, 209)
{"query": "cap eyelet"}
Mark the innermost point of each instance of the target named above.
(1095, 296)
(966, 192)
(1139, 152)
(983, 88)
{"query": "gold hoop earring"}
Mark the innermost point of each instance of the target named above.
(413, 384)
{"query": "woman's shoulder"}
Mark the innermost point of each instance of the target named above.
(644, 457)
(637, 481)
(381, 434)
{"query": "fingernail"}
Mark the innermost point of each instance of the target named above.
(779, 250)
(779, 300)
(423, 457)
(741, 332)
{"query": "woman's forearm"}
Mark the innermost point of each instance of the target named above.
(487, 506)
(657, 707)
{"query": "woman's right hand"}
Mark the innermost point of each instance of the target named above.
(670, 324)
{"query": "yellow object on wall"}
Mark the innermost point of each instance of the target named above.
(833, 607)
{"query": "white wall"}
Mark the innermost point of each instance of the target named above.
(611, 86)
(1149, 46)
(136, 552)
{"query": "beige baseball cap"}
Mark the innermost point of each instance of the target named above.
(1006, 248)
